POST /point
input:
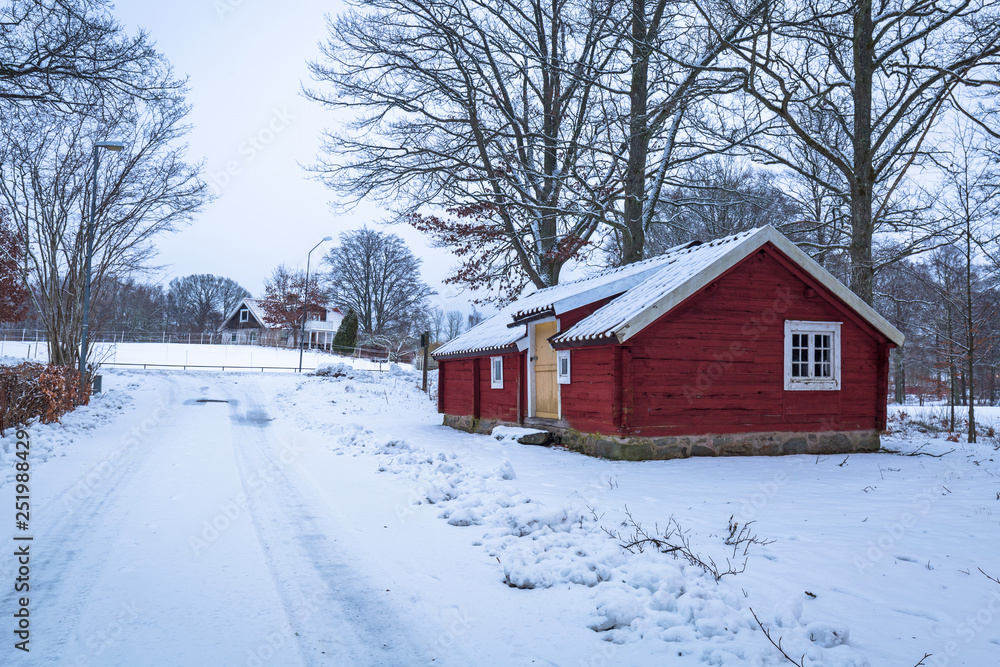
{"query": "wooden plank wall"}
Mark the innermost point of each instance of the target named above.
(716, 364)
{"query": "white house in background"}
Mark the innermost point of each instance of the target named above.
(321, 327)
(246, 325)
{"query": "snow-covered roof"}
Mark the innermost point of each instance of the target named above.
(496, 333)
(692, 270)
(646, 291)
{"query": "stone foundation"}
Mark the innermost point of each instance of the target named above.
(637, 448)
(473, 425)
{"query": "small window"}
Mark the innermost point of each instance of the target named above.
(562, 367)
(232, 339)
(253, 337)
(284, 336)
(812, 356)
(244, 315)
(496, 372)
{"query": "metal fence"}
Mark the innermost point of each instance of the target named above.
(24, 335)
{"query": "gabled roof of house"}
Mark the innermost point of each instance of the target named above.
(506, 328)
(634, 310)
(253, 305)
(646, 291)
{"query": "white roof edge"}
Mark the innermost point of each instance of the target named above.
(735, 255)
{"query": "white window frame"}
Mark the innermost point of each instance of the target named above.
(813, 384)
(496, 372)
(244, 315)
(561, 356)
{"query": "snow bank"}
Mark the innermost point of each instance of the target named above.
(49, 440)
(861, 541)
(633, 597)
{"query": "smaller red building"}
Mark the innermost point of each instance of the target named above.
(742, 345)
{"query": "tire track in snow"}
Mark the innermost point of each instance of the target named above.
(71, 549)
(335, 613)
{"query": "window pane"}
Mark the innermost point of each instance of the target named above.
(822, 368)
(800, 355)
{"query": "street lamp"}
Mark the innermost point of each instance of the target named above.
(111, 146)
(305, 301)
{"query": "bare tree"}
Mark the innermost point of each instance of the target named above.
(71, 55)
(435, 324)
(202, 300)
(46, 162)
(481, 109)
(861, 90)
(670, 66)
(969, 198)
(375, 275)
(455, 324)
(531, 125)
(720, 196)
(130, 308)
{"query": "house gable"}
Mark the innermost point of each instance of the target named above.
(251, 310)
(630, 313)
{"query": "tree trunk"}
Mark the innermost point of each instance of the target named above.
(970, 344)
(899, 376)
(634, 241)
(862, 225)
(951, 371)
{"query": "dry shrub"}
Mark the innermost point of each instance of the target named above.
(35, 391)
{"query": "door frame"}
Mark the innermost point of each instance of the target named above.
(531, 368)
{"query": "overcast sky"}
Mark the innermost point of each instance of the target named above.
(246, 60)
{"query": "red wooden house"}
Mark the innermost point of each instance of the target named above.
(742, 345)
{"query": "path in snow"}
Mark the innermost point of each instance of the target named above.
(159, 564)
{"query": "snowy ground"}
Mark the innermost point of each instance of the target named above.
(333, 521)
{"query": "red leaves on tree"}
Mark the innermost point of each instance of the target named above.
(282, 302)
(488, 260)
(13, 294)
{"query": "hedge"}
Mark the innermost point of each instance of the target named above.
(35, 391)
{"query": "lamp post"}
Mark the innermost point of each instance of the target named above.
(111, 146)
(305, 301)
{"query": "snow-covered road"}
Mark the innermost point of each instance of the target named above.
(202, 539)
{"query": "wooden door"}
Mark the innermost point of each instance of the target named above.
(546, 388)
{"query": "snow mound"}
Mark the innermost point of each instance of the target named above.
(828, 635)
(505, 471)
(615, 609)
(397, 371)
(336, 370)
